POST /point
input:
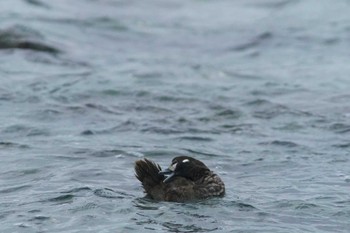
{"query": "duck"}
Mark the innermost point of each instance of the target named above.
(186, 179)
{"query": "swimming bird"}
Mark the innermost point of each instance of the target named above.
(186, 179)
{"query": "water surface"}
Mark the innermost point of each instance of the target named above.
(258, 90)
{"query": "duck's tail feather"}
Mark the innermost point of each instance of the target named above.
(147, 172)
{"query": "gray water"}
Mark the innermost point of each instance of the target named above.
(256, 89)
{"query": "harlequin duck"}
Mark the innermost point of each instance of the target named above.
(186, 179)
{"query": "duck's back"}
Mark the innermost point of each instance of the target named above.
(209, 185)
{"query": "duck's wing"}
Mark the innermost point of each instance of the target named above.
(147, 172)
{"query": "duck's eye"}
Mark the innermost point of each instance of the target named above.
(185, 161)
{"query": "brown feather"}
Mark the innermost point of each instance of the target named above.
(201, 183)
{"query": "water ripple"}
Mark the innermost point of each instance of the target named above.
(21, 37)
(109, 193)
(14, 189)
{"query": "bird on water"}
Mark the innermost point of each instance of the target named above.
(186, 179)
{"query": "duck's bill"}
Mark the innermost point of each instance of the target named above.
(168, 173)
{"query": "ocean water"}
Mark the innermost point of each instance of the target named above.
(256, 89)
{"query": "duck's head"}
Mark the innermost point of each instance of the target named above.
(184, 166)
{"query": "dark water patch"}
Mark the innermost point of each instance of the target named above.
(84, 153)
(78, 190)
(37, 3)
(21, 37)
(7, 145)
(192, 151)
(140, 93)
(24, 130)
(68, 196)
(28, 45)
(6, 95)
(343, 213)
(145, 203)
(128, 125)
(160, 152)
(276, 89)
(94, 22)
(343, 203)
(274, 4)
(161, 130)
(46, 115)
(65, 85)
(81, 151)
(39, 218)
(183, 120)
(344, 98)
(340, 128)
(62, 199)
(195, 138)
(109, 193)
(88, 132)
(201, 130)
(101, 108)
(107, 153)
(85, 207)
(302, 206)
(5, 214)
(238, 128)
(53, 60)
(228, 114)
(38, 132)
(153, 109)
(14, 189)
(176, 99)
(111, 92)
(34, 211)
(176, 227)
(298, 205)
(338, 160)
(69, 158)
(258, 102)
(21, 172)
(276, 110)
(148, 75)
(287, 144)
(241, 206)
(105, 23)
(64, 98)
(244, 206)
(290, 127)
(240, 75)
(76, 109)
(266, 109)
(255, 42)
(331, 41)
(221, 114)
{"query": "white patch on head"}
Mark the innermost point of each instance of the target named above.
(185, 161)
(173, 167)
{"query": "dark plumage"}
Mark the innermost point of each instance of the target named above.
(186, 179)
